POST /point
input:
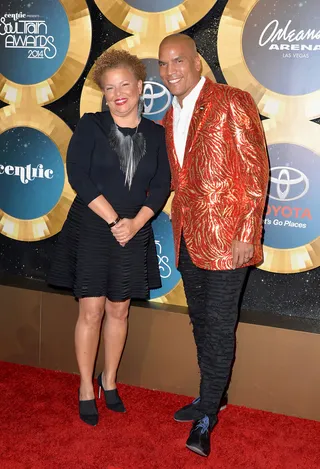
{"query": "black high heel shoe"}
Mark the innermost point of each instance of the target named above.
(88, 411)
(113, 400)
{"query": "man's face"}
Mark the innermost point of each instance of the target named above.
(180, 67)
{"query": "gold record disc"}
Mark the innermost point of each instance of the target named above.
(274, 61)
(62, 80)
(164, 17)
(92, 97)
(60, 134)
(292, 226)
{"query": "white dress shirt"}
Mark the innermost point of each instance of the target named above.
(182, 118)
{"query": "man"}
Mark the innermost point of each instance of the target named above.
(220, 174)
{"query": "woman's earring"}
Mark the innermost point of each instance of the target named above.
(105, 106)
(141, 106)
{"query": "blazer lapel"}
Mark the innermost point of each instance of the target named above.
(170, 139)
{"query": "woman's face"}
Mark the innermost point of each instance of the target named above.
(122, 91)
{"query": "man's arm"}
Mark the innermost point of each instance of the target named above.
(249, 140)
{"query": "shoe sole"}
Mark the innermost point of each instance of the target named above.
(90, 424)
(197, 451)
(188, 421)
(181, 421)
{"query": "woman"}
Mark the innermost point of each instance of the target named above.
(117, 164)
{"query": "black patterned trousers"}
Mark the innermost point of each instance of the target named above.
(213, 302)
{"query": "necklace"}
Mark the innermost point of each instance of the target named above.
(129, 148)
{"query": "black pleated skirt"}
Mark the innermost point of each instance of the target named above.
(89, 261)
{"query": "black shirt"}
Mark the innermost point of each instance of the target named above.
(94, 168)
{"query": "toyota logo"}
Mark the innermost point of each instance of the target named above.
(288, 183)
(157, 98)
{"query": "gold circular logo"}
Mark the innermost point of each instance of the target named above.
(292, 228)
(35, 45)
(149, 18)
(159, 99)
(28, 176)
(273, 52)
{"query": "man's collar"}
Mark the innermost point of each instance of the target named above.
(192, 97)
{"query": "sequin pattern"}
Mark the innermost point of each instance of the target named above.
(220, 191)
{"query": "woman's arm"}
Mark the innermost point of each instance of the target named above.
(159, 189)
(78, 168)
(101, 207)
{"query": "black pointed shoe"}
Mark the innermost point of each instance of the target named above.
(112, 398)
(199, 437)
(189, 412)
(88, 412)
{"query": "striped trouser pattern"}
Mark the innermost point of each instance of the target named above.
(213, 301)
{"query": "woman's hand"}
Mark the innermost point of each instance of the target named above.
(125, 230)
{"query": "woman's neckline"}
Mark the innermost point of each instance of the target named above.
(127, 126)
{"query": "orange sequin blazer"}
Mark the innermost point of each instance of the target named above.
(220, 190)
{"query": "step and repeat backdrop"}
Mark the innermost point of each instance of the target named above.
(269, 48)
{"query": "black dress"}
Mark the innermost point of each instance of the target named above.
(87, 258)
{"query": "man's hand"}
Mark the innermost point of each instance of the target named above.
(241, 253)
(125, 230)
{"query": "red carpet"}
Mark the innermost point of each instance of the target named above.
(40, 429)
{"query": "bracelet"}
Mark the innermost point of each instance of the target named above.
(114, 222)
